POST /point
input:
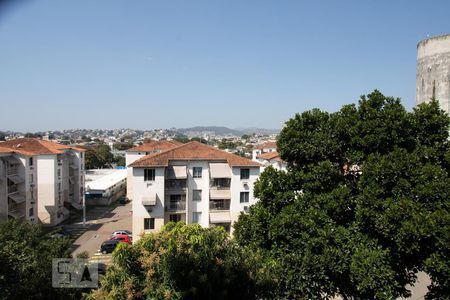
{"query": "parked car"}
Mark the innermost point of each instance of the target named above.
(122, 232)
(109, 246)
(123, 238)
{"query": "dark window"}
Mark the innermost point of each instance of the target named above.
(245, 197)
(175, 218)
(245, 174)
(149, 174)
(31, 161)
(175, 198)
(221, 182)
(31, 212)
(197, 172)
(197, 195)
(149, 223)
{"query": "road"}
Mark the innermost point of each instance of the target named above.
(101, 222)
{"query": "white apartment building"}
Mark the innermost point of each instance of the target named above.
(40, 180)
(263, 148)
(194, 183)
(137, 152)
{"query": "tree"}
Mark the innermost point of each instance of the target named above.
(26, 263)
(120, 161)
(180, 262)
(98, 156)
(123, 146)
(363, 207)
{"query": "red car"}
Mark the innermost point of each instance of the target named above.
(123, 238)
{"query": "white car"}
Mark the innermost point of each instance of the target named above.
(121, 232)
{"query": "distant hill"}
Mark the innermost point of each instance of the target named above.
(216, 130)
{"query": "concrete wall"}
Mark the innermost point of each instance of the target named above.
(433, 71)
(47, 189)
(131, 157)
(238, 186)
(142, 189)
(198, 184)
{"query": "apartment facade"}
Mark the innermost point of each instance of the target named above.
(40, 180)
(138, 152)
(194, 183)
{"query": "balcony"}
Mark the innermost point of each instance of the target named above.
(175, 184)
(220, 183)
(222, 204)
(176, 206)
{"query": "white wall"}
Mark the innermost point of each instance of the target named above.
(237, 186)
(131, 157)
(47, 194)
(141, 189)
(198, 184)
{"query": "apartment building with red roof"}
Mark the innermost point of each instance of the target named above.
(193, 183)
(40, 180)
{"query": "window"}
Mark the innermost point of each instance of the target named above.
(149, 223)
(245, 174)
(197, 195)
(221, 182)
(196, 217)
(175, 218)
(31, 161)
(59, 173)
(31, 178)
(30, 212)
(197, 172)
(175, 198)
(149, 174)
(245, 197)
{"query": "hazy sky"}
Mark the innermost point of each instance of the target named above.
(159, 64)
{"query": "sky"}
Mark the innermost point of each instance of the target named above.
(146, 64)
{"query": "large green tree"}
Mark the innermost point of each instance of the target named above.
(26, 254)
(180, 262)
(363, 207)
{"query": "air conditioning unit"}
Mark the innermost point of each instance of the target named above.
(245, 184)
(246, 209)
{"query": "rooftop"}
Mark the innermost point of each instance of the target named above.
(192, 151)
(32, 146)
(107, 181)
(266, 145)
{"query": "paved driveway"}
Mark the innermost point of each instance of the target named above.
(101, 222)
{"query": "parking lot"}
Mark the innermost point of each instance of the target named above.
(101, 222)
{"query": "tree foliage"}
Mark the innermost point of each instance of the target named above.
(363, 207)
(26, 263)
(180, 262)
(98, 156)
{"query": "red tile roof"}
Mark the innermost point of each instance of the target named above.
(192, 151)
(155, 146)
(266, 145)
(31, 146)
(269, 155)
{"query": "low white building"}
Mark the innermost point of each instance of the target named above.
(40, 180)
(272, 159)
(194, 183)
(263, 148)
(137, 152)
(104, 186)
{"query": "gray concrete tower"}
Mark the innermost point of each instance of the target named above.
(433, 71)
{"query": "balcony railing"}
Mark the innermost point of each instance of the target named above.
(220, 183)
(219, 204)
(12, 170)
(176, 206)
(175, 184)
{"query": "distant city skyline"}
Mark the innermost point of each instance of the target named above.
(149, 64)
